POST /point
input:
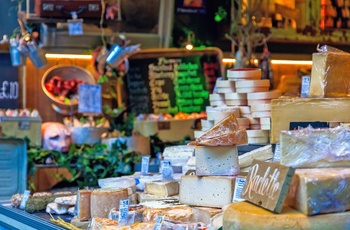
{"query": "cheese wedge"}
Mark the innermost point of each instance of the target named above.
(263, 153)
(238, 137)
(162, 188)
(225, 126)
(83, 205)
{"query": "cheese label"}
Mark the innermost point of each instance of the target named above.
(159, 223)
(277, 153)
(24, 199)
(167, 171)
(305, 86)
(267, 184)
(145, 165)
(239, 183)
(123, 217)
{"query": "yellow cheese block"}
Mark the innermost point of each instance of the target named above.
(162, 188)
(320, 190)
(83, 205)
(247, 216)
(330, 75)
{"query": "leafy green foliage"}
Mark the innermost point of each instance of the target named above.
(88, 163)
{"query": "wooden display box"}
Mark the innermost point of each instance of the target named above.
(47, 176)
(22, 127)
(285, 111)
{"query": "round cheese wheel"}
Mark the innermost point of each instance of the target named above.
(261, 114)
(257, 133)
(244, 73)
(236, 102)
(252, 83)
(217, 103)
(225, 84)
(225, 90)
(258, 140)
(246, 216)
(245, 109)
(246, 115)
(264, 95)
(234, 96)
(261, 107)
(216, 97)
(219, 115)
(252, 89)
(257, 102)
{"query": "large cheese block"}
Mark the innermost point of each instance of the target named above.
(104, 199)
(247, 216)
(314, 191)
(83, 205)
(316, 147)
(161, 188)
(330, 75)
(207, 191)
(216, 161)
(285, 111)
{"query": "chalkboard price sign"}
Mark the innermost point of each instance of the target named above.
(9, 86)
(173, 81)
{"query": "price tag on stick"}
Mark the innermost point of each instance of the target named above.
(145, 165)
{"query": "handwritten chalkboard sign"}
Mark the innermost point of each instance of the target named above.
(172, 80)
(9, 86)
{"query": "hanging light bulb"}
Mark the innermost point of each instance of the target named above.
(190, 38)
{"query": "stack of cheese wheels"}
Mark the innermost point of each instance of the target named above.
(217, 99)
(251, 86)
(244, 74)
(233, 99)
(225, 86)
(263, 97)
(258, 136)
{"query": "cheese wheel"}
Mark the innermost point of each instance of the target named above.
(245, 109)
(236, 102)
(257, 102)
(244, 73)
(217, 103)
(252, 83)
(246, 115)
(264, 95)
(265, 121)
(225, 84)
(221, 114)
(258, 140)
(254, 120)
(265, 127)
(261, 107)
(216, 97)
(247, 216)
(252, 89)
(255, 127)
(262, 114)
(257, 133)
(243, 121)
(225, 90)
(235, 96)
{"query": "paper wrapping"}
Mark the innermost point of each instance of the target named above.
(319, 190)
(330, 74)
(318, 148)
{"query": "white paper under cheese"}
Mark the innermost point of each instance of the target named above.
(207, 191)
(216, 160)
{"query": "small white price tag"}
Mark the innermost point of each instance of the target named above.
(238, 189)
(277, 154)
(305, 86)
(75, 27)
(167, 171)
(159, 222)
(145, 165)
(90, 98)
(123, 212)
(24, 199)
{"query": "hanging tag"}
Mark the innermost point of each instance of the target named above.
(277, 154)
(123, 212)
(75, 25)
(159, 222)
(238, 189)
(145, 165)
(305, 86)
(24, 199)
(167, 171)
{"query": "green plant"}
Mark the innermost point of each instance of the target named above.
(87, 163)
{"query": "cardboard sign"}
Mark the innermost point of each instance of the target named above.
(267, 185)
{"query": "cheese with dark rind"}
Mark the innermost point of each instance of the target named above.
(104, 199)
(247, 216)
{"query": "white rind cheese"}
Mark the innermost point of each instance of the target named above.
(206, 191)
(263, 153)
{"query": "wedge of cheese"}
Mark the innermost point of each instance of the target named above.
(225, 126)
(263, 153)
(162, 188)
(238, 137)
(247, 216)
(206, 191)
(320, 190)
(216, 161)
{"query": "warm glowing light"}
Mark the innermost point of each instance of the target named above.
(189, 46)
(76, 56)
(276, 62)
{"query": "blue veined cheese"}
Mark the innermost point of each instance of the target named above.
(207, 191)
(320, 190)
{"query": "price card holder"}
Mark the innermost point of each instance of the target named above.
(305, 86)
(24, 199)
(145, 165)
(238, 189)
(90, 99)
(277, 154)
(167, 171)
(159, 223)
(75, 25)
(123, 218)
